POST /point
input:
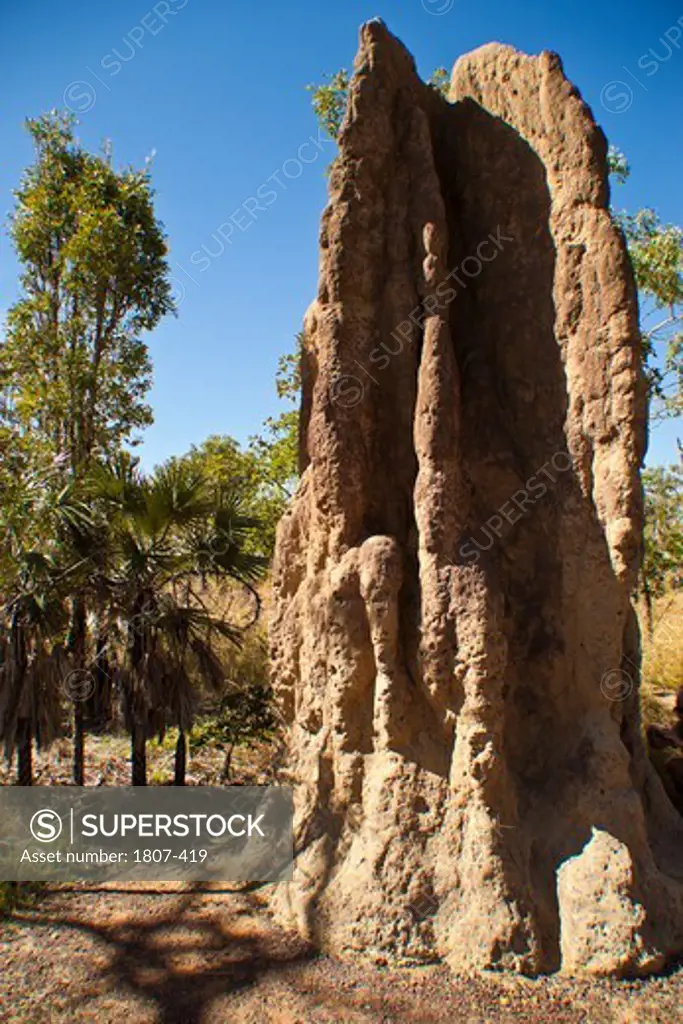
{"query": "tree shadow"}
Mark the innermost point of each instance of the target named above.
(180, 964)
(177, 963)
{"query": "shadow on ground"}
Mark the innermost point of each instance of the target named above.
(103, 955)
(181, 959)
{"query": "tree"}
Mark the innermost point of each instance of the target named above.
(74, 368)
(246, 711)
(656, 251)
(276, 449)
(329, 101)
(330, 98)
(83, 538)
(663, 557)
(441, 81)
(32, 664)
(247, 475)
(173, 535)
(617, 165)
(244, 715)
(657, 254)
(35, 608)
(262, 476)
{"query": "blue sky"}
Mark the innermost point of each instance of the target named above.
(217, 89)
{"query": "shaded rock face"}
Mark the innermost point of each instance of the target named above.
(452, 637)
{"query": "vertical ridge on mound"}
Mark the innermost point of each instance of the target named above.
(452, 618)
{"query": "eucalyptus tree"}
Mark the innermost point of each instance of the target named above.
(330, 97)
(656, 251)
(657, 254)
(94, 279)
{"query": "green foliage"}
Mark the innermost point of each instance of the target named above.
(29, 488)
(144, 554)
(254, 475)
(288, 375)
(243, 716)
(174, 540)
(617, 165)
(245, 713)
(657, 255)
(73, 366)
(656, 251)
(441, 81)
(37, 578)
(276, 449)
(663, 558)
(263, 475)
(170, 535)
(329, 101)
(100, 564)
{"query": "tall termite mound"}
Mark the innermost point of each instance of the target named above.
(453, 641)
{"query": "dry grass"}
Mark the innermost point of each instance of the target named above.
(662, 658)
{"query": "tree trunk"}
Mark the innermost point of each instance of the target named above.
(228, 762)
(80, 691)
(24, 753)
(99, 708)
(139, 756)
(180, 759)
(79, 745)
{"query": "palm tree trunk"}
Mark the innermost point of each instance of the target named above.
(101, 704)
(139, 756)
(77, 645)
(180, 759)
(24, 753)
(79, 745)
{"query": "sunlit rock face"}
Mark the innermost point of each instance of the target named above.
(453, 643)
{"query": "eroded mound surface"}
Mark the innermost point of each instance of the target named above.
(453, 639)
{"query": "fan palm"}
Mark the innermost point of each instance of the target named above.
(32, 661)
(82, 538)
(172, 535)
(40, 571)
